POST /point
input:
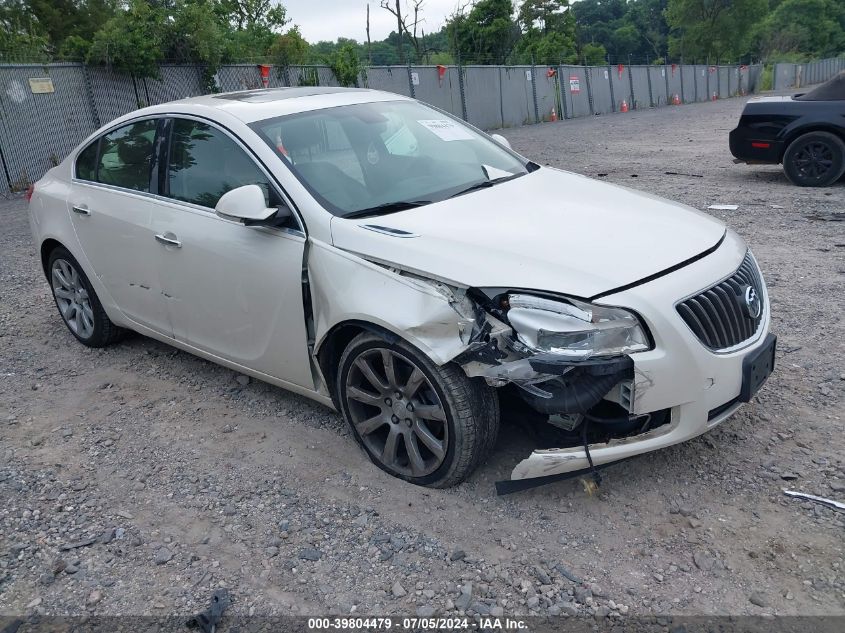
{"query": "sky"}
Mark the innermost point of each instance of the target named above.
(329, 19)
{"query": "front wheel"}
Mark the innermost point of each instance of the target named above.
(426, 424)
(815, 159)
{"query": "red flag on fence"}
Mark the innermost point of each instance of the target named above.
(441, 72)
(551, 72)
(674, 66)
(620, 69)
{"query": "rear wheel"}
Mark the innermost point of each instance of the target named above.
(78, 304)
(815, 159)
(426, 424)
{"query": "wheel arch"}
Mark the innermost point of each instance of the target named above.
(806, 129)
(47, 247)
(330, 348)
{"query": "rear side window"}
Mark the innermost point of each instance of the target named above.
(205, 163)
(126, 156)
(86, 162)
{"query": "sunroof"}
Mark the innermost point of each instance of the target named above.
(265, 95)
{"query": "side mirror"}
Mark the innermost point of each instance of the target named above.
(247, 205)
(501, 140)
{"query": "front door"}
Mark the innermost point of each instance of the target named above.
(231, 290)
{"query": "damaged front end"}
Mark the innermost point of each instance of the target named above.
(561, 365)
(569, 367)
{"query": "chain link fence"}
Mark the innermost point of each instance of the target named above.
(46, 110)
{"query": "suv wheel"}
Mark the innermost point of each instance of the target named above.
(426, 424)
(815, 159)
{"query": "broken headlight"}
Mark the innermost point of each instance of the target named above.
(574, 328)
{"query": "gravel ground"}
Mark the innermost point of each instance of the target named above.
(137, 479)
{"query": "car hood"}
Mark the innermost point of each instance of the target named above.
(549, 230)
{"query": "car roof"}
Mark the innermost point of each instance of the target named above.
(256, 105)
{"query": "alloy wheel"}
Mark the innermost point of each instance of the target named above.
(72, 298)
(397, 412)
(814, 160)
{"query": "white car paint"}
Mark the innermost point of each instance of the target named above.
(233, 293)
(550, 230)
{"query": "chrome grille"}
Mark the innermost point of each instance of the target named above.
(720, 316)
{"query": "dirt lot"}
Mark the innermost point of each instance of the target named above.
(190, 480)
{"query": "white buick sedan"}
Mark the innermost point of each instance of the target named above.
(389, 261)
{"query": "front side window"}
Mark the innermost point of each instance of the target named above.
(374, 157)
(126, 156)
(205, 163)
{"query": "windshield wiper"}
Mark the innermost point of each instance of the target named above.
(484, 184)
(387, 207)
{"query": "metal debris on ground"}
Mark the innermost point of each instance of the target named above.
(724, 207)
(208, 620)
(678, 173)
(836, 505)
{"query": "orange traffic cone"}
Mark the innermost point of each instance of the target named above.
(676, 100)
(624, 107)
(554, 114)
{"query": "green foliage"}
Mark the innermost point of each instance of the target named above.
(290, 49)
(194, 34)
(767, 77)
(635, 30)
(346, 65)
(712, 29)
(593, 54)
(253, 15)
(808, 28)
(548, 32)
(74, 48)
(135, 36)
(132, 41)
(485, 35)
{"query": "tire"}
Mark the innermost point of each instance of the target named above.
(78, 304)
(815, 159)
(454, 435)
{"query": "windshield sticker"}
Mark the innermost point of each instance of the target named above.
(447, 130)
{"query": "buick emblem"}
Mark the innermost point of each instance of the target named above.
(753, 304)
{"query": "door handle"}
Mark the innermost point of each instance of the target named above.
(81, 210)
(169, 241)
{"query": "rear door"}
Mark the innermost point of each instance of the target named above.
(231, 290)
(111, 203)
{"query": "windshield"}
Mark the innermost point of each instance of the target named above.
(385, 156)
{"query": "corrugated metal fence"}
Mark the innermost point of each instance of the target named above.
(786, 76)
(40, 123)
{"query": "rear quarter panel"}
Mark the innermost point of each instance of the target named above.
(50, 220)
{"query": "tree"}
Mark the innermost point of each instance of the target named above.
(647, 17)
(248, 15)
(195, 35)
(290, 49)
(548, 32)
(812, 28)
(484, 35)
(346, 65)
(132, 41)
(712, 29)
(593, 54)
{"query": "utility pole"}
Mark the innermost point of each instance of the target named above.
(369, 42)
